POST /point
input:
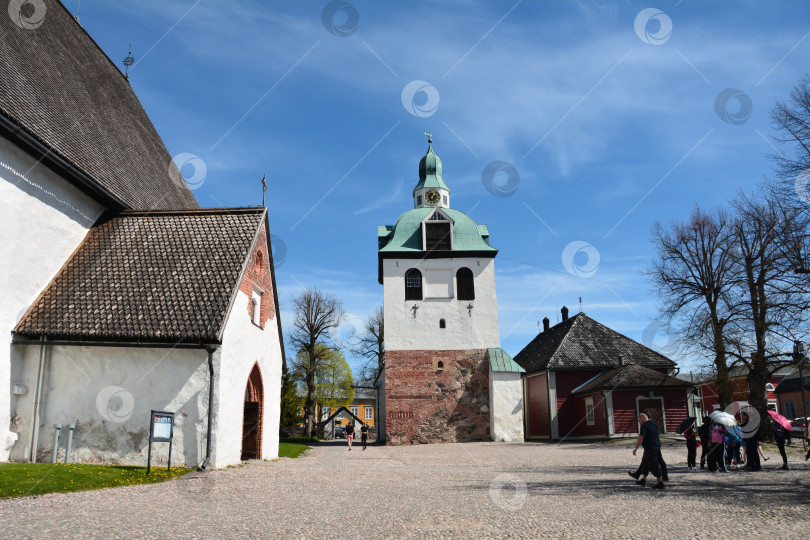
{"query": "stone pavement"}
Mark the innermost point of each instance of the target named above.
(444, 490)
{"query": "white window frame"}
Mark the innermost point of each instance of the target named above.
(325, 412)
(355, 410)
(369, 413)
(590, 412)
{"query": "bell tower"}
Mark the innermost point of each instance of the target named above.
(437, 269)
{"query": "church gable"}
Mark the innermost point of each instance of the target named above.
(257, 282)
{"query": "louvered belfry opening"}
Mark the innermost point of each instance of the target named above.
(252, 419)
(437, 236)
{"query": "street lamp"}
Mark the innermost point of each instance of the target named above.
(798, 356)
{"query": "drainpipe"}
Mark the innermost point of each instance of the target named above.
(37, 397)
(604, 404)
(211, 351)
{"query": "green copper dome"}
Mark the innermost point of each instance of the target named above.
(430, 171)
(406, 234)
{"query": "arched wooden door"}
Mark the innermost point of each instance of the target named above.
(252, 418)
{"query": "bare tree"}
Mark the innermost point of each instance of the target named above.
(691, 270)
(371, 347)
(792, 122)
(316, 315)
(771, 298)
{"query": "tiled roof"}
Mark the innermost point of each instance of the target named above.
(153, 277)
(630, 376)
(582, 343)
(60, 88)
(499, 360)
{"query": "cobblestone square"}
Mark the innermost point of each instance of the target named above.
(493, 490)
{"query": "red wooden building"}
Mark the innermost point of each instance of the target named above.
(789, 396)
(586, 381)
(707, 390)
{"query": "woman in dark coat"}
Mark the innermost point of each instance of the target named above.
(691, 447)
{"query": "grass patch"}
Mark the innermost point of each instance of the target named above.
(25, 479)
(291, 450)
(300, 440)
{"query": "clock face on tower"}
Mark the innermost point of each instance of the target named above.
(432, 197)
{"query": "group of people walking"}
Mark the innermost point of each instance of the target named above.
(722, 449)
(363, 434)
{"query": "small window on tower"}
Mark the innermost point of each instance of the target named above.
(440, 366)
(444, 199)
(413, 284)
(442, 323)
(418, 199)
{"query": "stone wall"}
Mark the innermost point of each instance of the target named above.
(436, 396)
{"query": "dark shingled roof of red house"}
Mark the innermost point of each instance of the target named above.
(166, 277)
(628, 377)
(583, 343)
(59, 87)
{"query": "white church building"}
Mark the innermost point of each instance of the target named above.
(120, 295)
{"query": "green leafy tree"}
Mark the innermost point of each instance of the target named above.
(332, 380)
(290, 401)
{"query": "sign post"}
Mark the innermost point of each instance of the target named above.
(161, 429)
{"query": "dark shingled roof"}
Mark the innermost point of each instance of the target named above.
(582, 343)
(60, 88)
(792, 385)
(153, 277)
(630, 376)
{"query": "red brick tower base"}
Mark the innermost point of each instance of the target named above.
(436, 396)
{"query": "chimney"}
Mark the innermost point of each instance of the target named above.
(545, 324)
(564, 311)
(621, 360)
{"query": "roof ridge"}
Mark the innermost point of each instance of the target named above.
(196, 211)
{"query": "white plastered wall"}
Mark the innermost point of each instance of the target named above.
(108, 392)
(243, 345)
(43, 219)
(466, 329)
(506, 406)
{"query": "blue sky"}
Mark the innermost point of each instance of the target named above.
(607, 117)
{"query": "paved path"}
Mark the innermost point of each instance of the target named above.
(453, 490)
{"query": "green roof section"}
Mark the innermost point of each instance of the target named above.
(407, 233)
(500, 361)
(430, 171)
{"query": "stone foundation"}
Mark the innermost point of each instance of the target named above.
(436, 396)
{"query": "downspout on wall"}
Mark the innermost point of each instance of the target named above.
(37, 401)
(211, 351)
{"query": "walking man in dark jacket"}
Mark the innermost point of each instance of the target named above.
(704, 434)
(649, 439)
